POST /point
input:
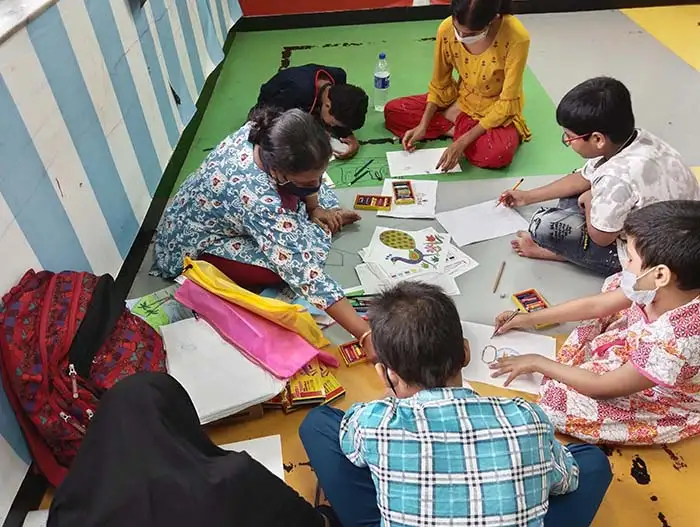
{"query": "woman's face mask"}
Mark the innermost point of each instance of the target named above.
(301, 192)
(641, 297)
(472, 39)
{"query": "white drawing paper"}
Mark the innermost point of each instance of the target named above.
(458, 263)
(219, 379)
(480, 222)
(422, 161)
(479, 336)
(265, 450)
(403, 253)
(38, 518)
(426, 199)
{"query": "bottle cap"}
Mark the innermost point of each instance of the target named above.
(382, 56)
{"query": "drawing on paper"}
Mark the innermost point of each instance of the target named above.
(427, 257)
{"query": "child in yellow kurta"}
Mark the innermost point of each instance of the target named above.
(483, 110)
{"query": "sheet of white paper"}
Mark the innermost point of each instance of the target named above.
(371, 283)
(426, 199)
(36, 518)
(339, 147)
(265, 450)
(220, 380)
(403, 253)
(479, 336)
(328, 181)
(484, 221)
(422, 161)
(458, 262)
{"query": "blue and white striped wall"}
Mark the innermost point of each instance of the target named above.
(88, 122)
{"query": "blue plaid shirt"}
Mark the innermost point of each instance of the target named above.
(451, 457)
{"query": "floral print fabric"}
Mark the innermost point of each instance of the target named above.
(232, 209)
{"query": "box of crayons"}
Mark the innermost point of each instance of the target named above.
(313, 385)
(403, 193)
(372, 202)
(531, 300)
(352, 353)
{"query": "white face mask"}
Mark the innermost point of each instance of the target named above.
(642, 297)
(472, 39)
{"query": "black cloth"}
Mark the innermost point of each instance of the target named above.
(146, 462)
(295, 87)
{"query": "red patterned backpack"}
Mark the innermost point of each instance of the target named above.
(64, 339)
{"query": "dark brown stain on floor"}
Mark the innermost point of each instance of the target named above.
(663, 521)
(678, 461)
(639, 471)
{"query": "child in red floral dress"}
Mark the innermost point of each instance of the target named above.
(631, 372)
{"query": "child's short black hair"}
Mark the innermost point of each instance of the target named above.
(348, 105)
(417, 333)
(602, 105)
(668, 233)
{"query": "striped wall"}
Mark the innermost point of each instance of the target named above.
(93, 97)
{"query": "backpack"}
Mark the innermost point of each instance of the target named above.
(65, 338)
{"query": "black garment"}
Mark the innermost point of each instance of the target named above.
(295, 87)
(146, 462)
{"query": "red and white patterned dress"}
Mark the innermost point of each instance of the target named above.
(667, 351)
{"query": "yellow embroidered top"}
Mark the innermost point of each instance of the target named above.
(490, 86)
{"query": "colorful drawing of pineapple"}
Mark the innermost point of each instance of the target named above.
(404, 242)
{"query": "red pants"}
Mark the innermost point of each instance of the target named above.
(494, 149)
(243, 274)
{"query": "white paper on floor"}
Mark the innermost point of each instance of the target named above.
(458, 262)
(219, 379)
(36, 518)
(426, 199)
(479, 336)
(483, 221)
(265, 450)
(422, 161)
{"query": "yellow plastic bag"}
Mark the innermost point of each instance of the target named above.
(290, 316)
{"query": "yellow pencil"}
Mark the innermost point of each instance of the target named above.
(515, 187)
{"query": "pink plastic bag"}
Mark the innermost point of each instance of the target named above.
(280, 351)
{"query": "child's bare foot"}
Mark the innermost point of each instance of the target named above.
(349, 216)
(526, 247)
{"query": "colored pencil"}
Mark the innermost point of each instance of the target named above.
(498, 277)
(360, 172)
(511, 317)
(515, 187)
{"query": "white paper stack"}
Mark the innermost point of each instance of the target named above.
(426, 199)
(424, 255)
(219, 379)
(421, 161)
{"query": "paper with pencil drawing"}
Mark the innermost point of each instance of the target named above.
(520, 342)
(480, 222)
(422, 161)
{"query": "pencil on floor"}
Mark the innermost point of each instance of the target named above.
(498, 277)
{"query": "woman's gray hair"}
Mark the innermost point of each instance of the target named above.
(290, 142)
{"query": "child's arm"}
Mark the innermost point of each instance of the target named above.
(564, 475)
(601, 238)
(587, 308)
(621, 382)
(572, 185)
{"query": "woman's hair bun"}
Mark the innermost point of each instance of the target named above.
(262, 120)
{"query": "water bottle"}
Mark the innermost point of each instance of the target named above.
(382, 80)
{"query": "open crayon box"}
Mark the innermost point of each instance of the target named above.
(531, 300)
(352, 353)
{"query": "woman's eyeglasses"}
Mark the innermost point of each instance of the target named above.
(491, 354)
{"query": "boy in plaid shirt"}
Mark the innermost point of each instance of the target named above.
(435, 453)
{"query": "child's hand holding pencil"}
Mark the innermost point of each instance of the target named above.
(514, 197)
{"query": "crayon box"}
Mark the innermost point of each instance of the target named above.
(531, 300)
(352, 353)
(372, 202)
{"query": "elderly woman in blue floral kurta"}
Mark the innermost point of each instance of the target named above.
(257, 209)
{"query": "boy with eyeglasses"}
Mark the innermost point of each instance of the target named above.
(627, 168)
(435, 453)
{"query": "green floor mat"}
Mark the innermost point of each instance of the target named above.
(255, 57)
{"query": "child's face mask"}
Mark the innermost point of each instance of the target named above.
(472, 39)
(641, 297)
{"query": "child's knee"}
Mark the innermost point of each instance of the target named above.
(592, 462)
(321, 420)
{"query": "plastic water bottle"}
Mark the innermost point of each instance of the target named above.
(382, 80)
